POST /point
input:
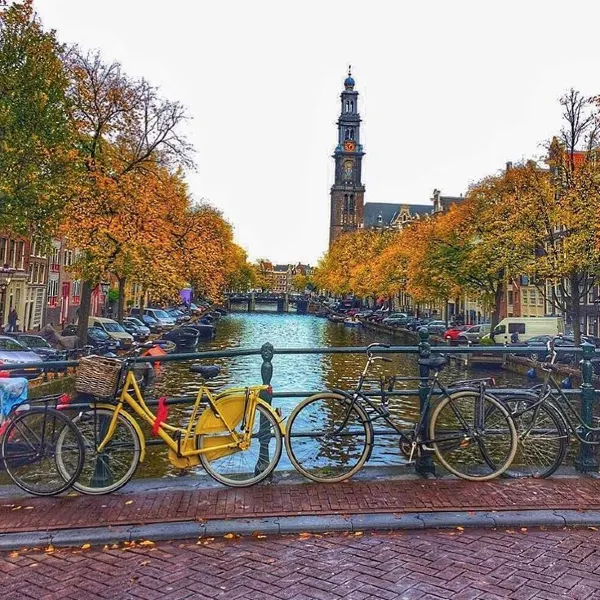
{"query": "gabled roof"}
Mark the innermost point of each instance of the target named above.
(388, 211)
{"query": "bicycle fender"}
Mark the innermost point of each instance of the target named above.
(135, 425)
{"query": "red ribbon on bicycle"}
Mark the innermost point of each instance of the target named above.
(161, 414)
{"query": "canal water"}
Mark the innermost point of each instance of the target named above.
(310, 373)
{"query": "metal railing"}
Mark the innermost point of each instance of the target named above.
(586, 460)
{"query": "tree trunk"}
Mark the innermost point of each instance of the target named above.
(121, 304)
(85, 306)
(142, 301)
(498, 296)
(575, 308)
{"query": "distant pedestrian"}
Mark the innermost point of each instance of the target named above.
(514, 337)
(13, 318)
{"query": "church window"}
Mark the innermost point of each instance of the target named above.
(351, 204)
(351, 105)
(379, 219)
(347, 134)
(351, 134)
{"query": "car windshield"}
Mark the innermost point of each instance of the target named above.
(10, 345)
(134, 321)
(34, 341)
(149, 319)
(113, 327)
(97, 334)
(161, 314)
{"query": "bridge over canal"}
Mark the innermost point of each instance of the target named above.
(258, 302)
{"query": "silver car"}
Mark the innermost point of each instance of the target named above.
(13, 352)
(475, 333)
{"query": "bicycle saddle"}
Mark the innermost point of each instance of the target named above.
(433, 362)
(207, 371)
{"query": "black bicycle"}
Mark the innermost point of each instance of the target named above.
(545, 420)
(330, 435)
(28, 449)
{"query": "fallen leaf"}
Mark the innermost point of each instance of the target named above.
(14, 554)
(105, 548)
(146, 544)
(304, 536)
(144, 563)
(358, 533)
(34, 565)
(261, 537)
(523, 529)
(49, 549)
(593, 528)
(16, 508)
(129, 502)
(86, 546)
(459, 528)
(114, 546)
(231, 536)
(28, 508)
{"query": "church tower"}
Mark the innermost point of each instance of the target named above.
(347, 191)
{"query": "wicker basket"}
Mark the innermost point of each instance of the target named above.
(98, 376)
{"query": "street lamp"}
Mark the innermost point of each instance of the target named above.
(6, 274)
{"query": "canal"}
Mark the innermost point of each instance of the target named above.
(298, 372)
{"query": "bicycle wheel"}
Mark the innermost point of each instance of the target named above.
(466, 430)
(328, 439)
(242, 467)
(541, 445)
(114, 466)
(30, 451)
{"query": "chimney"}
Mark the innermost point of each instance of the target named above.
(509, 165)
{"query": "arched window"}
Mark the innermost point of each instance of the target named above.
(346, 203)
(351, 105)
(379, 219)
(347, 134)
(351, 134)
(351, 204)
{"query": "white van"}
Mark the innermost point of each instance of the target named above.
(526, 327)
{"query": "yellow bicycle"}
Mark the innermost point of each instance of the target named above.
(237, 438)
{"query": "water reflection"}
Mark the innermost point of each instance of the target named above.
(311, 372)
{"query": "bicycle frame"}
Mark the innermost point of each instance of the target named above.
(175, 442)
(380, 413)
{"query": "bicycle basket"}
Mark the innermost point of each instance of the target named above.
(98, 376)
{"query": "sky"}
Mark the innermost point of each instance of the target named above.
(449, 92)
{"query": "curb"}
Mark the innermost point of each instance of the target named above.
(294, 525)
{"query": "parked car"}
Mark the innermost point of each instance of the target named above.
(137, 327)
(526, 327)
(396, 319)
(474, 334)
(363, 314)
(150, 322)
(13, 352)
(39, 345)
(414, 323)
(539, 346)
(437, 327)
(453, 332)
(114, 330)
(378, 316)
(161, 316)
(97, 338)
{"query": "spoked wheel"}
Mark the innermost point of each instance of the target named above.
(542, 438)
(467, 429)
(115, 465)
(242, 467)
(327, 439)
(34, 444)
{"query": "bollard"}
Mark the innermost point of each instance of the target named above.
(264, 435)
(424, 464)
(586, 461)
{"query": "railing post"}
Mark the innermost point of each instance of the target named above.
(424, 464)
(586, 461)
(264, 434)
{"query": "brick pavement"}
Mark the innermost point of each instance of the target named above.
(468, 565)
(396, 496)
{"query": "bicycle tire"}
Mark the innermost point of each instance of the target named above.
(550, 424)
(114, 467)
(29, 456)
(311, 460)
(246, 467)
(470, 463)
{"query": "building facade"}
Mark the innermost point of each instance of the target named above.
(347, 191)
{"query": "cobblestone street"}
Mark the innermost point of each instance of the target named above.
(442, 564)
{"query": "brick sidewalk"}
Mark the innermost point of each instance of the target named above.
(397, 496)
(472, 565)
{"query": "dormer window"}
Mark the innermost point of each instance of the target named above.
(379, 219)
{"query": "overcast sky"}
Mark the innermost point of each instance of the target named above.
(449, 91)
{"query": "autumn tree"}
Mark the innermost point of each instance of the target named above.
(36, 157)
(124, 128)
